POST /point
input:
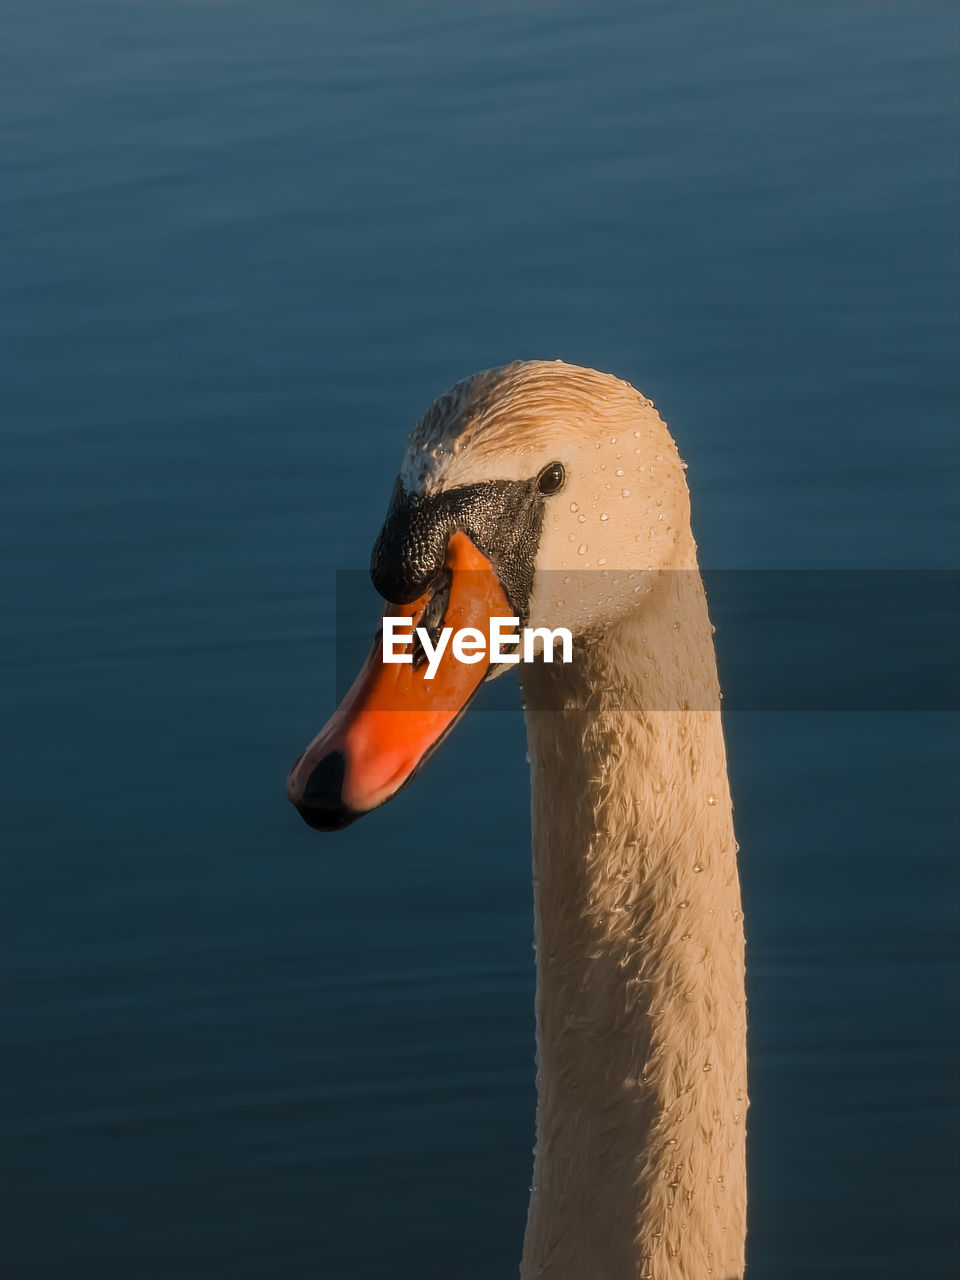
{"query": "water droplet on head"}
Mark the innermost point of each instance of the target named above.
(574, 506)
(711, 799)
(582, 549)
(619, 471)
(624, 493)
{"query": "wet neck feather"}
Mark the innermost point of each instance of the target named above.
(639, 1166)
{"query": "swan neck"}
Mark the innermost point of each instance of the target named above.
(639, 1165)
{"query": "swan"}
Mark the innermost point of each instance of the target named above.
(555, 494)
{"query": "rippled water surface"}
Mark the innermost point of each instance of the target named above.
(245, 245)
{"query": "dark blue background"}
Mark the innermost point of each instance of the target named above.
(244, 246)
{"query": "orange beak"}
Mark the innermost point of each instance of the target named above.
(393, 716)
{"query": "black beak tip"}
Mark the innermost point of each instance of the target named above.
(321, 804)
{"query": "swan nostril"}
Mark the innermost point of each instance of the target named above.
(434, 612)
(321, 804)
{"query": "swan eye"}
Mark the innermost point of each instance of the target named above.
(551, 478)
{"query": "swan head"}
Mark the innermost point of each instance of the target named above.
(542, 491)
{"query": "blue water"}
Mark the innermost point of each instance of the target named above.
(244, 247)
